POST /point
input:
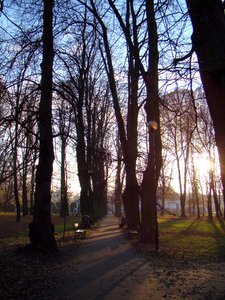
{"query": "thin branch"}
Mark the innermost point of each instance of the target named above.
(189, 54)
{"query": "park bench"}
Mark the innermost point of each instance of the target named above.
(79, 233)
(133, 234)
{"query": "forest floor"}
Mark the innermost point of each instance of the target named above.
(107, 265)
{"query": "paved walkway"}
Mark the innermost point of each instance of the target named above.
(106, 267)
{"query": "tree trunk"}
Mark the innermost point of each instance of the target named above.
(86, 204)
(149, 223)
(118, 186)
(209, 205)
(132, 187)
(131, 193)
(183, 205)
(163, 188)
(83, 154)
(186, 162)
(99, 191)
(203, 205)
(129, 141)
(63, 192)
(32, 180)
(15, 171)
(217, 204)
(130, 201)
(208, 22)
(24, 180)
(41, 229)
(195, 189)
(198, 207)
(215, 197)
(15, 185)
(24, 189)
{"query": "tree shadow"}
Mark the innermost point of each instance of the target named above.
(101, 263)
(200, 240)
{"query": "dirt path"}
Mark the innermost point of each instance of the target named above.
(105, 266)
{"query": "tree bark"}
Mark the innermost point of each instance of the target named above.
(209, 205)
(215, 197)
(24, 180)
(63, 192)
(15, 171)
(132, 187)
(149, 223)
(118, 183)
(41, 229)
(32, 179)
(86, 203)
(208, 22)
(128, 142)
(15, 185)
(24, 189)
(118, 194)
(64, 209)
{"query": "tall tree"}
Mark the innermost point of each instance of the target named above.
(15, 162)
(208, 21)
(64, 129)
(179, 117)
(194, 185)
(41, 229)
(149, 73)
(88, 94)
(127, 134)
(149, 232)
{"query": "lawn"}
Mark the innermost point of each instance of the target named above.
(16, 234)
(179, 237)
(191, 251)
(192, 238)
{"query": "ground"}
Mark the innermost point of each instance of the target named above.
(107, 265)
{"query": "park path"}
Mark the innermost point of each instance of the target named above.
(106, 267)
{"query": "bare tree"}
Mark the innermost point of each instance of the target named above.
(41, 231)
(179, 117)
(87, 93)
(209, 44)
(208, 144)
(128, 139)
(64, 123)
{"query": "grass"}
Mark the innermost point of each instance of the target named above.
(15, 234)
(193, 239)
(180, 238)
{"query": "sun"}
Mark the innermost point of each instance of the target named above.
(202, 163)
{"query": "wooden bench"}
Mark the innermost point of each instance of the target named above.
(79, 233)
(132, 234)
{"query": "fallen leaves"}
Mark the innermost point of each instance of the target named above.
(31, 276)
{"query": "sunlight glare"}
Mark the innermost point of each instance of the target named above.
(202, 163)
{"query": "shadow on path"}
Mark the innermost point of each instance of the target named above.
(100, 265)
(106, 267)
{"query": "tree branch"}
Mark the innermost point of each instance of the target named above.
(189, 54)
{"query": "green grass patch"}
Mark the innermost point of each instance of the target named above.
(13, 233)
(193, 239)
(179, 237)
